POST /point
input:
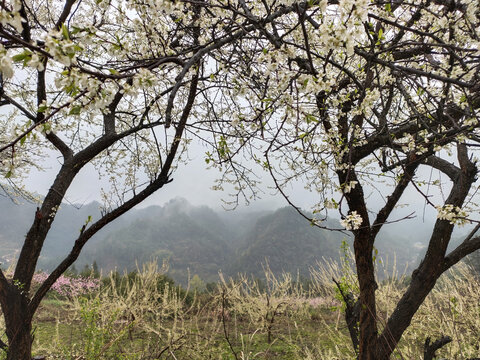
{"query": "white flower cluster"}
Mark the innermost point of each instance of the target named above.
(470, 122)
(59, 45)
(348, 186)
(12, 18)
(6, 65)
(451, 213)
(368, 103)
(144, 78)
(352, 221)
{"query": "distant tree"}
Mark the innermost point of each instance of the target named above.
(90, 271)
(71, 271)
(95, 270)
(197, 284)
(86, 271)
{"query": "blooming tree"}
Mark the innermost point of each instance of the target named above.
(343, 93)
(122, 85)
(348, 95)
(68, 287)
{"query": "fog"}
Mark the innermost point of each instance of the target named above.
(193, 181)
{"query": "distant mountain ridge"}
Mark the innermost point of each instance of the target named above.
(288, 243)
(195, 240)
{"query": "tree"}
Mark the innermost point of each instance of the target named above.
(369, 93)
(121, 85)
(197, 284)
(351, 95)
(360, 90)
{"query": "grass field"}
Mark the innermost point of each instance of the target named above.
(144, 317)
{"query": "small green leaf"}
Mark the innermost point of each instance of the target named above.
(75, 110)
(76, 30)
(26, 55)
(8, 174)
(65, 33)
(311, 118)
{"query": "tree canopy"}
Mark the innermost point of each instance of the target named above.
(343, 93)
(354, 94)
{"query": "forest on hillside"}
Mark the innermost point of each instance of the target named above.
(196, 240)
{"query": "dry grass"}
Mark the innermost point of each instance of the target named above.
(244, 319)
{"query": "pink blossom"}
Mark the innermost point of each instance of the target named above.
(69, 286)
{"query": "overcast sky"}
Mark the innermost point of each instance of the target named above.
(192, 181)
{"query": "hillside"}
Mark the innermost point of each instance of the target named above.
(287, 242)
(17, 217)
(198, 240)
(189, 238)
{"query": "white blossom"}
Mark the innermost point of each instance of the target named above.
(453, 214)
(352, 221)
(6, 65)
(348, 186)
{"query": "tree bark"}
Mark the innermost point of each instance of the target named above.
(363, 248)
(352, 314)
(18, 322)
(430, 349)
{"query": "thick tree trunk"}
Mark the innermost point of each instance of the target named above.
(44, 217)
(18, 323)
(20, 347)
(366, 277)
(363, 249)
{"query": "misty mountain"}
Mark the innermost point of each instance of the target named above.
(18, 216)
(288, 243)
(189, 239)
(199, 240)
